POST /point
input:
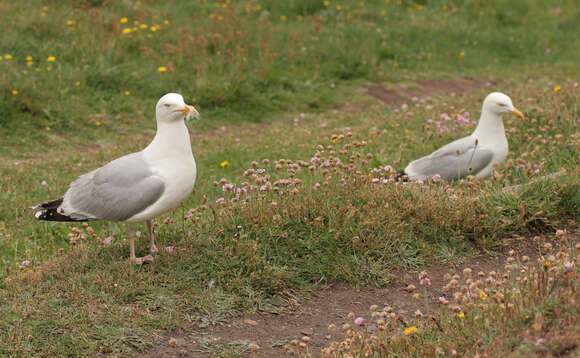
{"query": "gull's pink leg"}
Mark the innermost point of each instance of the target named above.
(152, 247)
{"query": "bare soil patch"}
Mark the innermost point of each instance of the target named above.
(397, 95)
(332, 305)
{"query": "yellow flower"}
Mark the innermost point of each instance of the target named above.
(300, 17)
(77, 83)
(126, 31)
(47, 129)
(557, 88)
(338, 7)
(224, 164)
(547, 264)
(410, 330)
(143, 26)
(334, 140)
(162, 69)
(461, 54)
(461, 315)
(127, 93)
(70, 22)
(383, 12)
(165, 22)
(51, 59)
(28, 58)
(482, 295)
(283, 18)
(136, 22)
(48, 68)
(98, 123)
(326, 3)
(123, 20)
(407, 131)
(29, 63)
(14, 92)
(7, 57)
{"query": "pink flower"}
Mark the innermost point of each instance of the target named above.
(219, 200)
(323, 125)
(445, 116)
(453, 352)
(108, 240)
(359, 321)
(404, 106)
(429, 121)
(25, 263)
(575, 85)
(436, 178)
(396, 110)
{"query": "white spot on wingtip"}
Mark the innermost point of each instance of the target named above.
(38, 214)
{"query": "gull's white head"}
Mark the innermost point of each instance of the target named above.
(499, 104)
(172, 107)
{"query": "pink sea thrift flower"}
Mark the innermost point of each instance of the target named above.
(436, 178)
(359, 321)
(445, 116)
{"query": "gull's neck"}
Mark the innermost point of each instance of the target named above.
(490, 128)
(171, 140)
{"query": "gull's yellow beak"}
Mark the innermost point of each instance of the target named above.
(189, 111)
(518, 114)
(185, 110)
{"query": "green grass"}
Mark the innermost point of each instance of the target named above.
(80, 297)
(242, 62)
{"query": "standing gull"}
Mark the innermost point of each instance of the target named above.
(139, 186)
(477, 154)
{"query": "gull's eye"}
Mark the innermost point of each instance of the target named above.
(167, 105)
(502, 104)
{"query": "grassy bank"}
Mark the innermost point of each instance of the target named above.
(293, 186)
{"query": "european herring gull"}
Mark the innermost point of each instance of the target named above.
(477, 154)
(139, 186)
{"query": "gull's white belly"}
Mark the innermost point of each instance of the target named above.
(179, 177)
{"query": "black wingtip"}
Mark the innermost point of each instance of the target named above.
(49, 212)
(402, 176)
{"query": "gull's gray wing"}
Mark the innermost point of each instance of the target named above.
(116, 191)
(452, 161)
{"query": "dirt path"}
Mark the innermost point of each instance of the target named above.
(332, 305)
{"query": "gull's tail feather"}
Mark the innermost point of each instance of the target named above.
(402, 176)
(49, 212)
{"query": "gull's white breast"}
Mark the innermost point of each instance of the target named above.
(178, 174)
